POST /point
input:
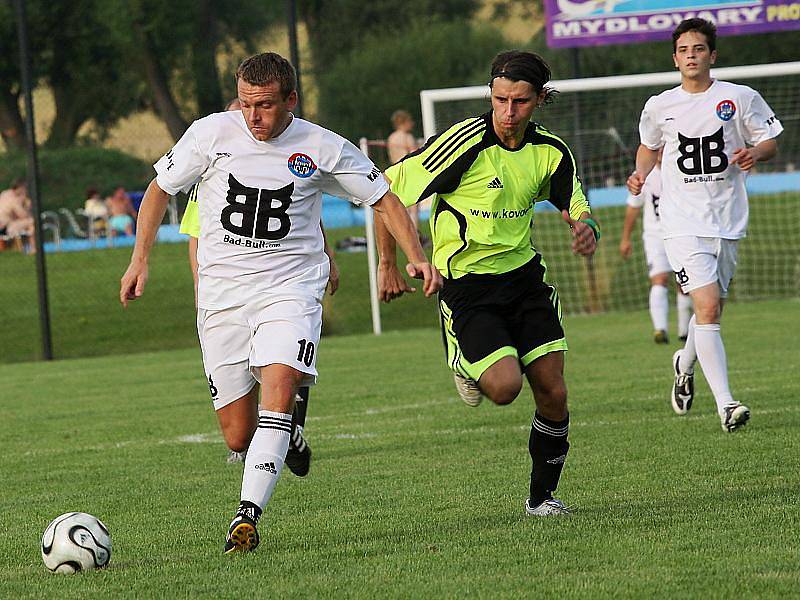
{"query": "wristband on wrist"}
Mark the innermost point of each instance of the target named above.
(594, 226)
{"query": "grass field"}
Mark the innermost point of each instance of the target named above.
(411, 493)
(87, 319)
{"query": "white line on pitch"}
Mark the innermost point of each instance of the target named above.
(215, 437)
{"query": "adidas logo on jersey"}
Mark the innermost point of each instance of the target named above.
(495, 184)
(269, 467)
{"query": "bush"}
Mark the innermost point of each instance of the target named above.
(362, 88)
(65, 174)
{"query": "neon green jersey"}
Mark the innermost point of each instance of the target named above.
(484, 193)
(190, 223)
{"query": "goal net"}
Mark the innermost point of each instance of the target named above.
(598, 118)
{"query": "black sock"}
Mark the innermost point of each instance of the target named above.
(300, 408)
(250, 510)
(548, 447)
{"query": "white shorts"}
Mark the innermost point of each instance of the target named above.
(701, 261)
(656, 255)
(272, 330)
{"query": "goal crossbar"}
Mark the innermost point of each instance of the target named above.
(429, 97)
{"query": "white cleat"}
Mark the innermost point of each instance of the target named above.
(682, 388)
(735, 416)
(468, 390)
(551, 506)
(235, 457)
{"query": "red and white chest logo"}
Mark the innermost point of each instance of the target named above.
(301, 165)
(726, 109)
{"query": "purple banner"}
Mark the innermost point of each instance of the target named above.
(604, 22)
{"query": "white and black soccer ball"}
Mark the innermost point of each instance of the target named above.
(76, 542)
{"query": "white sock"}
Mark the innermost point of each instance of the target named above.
(659, 307)
(711, 354)
(684, 314)
(689, 352)
(265, 457)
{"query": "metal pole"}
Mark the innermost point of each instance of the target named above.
(593, 304)
(294, 54)
(33, 177)
(372, 260)
(576, 107)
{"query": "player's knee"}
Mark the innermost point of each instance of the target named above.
(707, 313)
(238, 440)
(551, 399)
(661, 279)
(505, 392)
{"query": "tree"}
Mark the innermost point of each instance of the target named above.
(85, 72)
(338, 27)
(71, 53)
(366, 85)
(12, 127)
(175, 47)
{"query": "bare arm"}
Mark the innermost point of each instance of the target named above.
(645, 161)
(631, 214)
(395, 217)
(151, 213)
(746, 158)
(193, 263)
(391, 283)
(584, 241)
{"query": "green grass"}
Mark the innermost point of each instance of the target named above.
(411, 493)
(87, 319)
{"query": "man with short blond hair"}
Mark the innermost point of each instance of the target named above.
(262, 268)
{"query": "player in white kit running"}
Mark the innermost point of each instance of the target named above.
(712, 132)
(262, 270)
(658, 269)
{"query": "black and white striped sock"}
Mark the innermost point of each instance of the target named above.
(265, 457)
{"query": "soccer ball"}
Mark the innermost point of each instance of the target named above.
(75, 542)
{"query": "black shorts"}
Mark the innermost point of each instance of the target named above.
(487, 317)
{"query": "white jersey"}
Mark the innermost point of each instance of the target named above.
(649, 200)
(260, 214)
(704, 194)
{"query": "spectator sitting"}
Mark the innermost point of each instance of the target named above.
(16, 219)
(95, 210)
(122, 215)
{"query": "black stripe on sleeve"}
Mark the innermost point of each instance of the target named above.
(448, 180)
(450, 146)
(561, 180)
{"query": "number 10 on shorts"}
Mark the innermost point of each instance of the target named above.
(306, 353)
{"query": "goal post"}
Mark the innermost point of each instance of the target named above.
(604, 137)
(372, 260)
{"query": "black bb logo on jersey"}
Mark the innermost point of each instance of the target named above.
(702, 156)
(656, 200)
(257, 212)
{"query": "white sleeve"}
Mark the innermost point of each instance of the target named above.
(759, 121)
(355, 177)
(180, 168)
(649, 132)
(636, 201)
